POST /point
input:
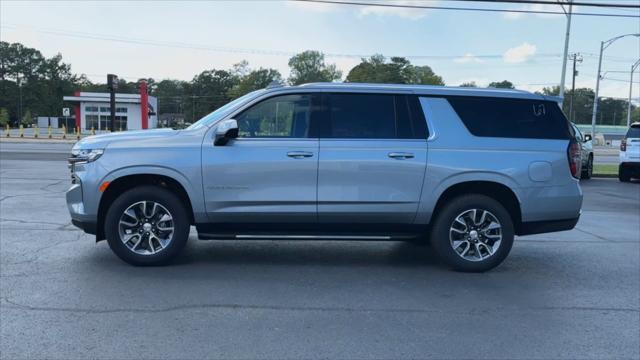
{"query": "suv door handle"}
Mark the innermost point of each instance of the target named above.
(299, 154)
(400, 155)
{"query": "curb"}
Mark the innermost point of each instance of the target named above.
(37, 140)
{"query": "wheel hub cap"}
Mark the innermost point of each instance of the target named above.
(475, 234)
(146, 228)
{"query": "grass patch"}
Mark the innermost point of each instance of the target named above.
(605, 169)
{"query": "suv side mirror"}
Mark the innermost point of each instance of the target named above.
(587, 137)
(225, 131)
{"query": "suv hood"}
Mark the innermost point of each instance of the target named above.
(101, 141)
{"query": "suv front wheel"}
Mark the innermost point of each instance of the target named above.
(147, 225)
(472, 233)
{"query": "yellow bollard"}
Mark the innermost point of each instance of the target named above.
(36, 132)
(21, 131)
(7, 131)
(49, 131)
(93, 131)
(64, 131)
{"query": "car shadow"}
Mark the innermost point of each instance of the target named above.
(305, 252)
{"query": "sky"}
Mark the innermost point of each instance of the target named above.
(179, 39)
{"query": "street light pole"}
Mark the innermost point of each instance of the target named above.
(633, 69)
(566, 48)
(603, 46)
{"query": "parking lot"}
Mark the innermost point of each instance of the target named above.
(573, 294)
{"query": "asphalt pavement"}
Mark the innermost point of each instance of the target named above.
(573, 294)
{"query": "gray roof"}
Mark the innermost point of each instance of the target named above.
(415, 89)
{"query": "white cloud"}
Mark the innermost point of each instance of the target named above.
(468, 58)
(537, 7)
(519, 54)
(407, 13)
(314, 7)
(512, 15)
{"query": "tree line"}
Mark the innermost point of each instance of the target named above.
(32, 85)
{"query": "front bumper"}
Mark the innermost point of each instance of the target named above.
(90, 227)
(75, 204)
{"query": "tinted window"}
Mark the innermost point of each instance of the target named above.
(513, 118)
(372, 116)
(634, 132)
(280, 116)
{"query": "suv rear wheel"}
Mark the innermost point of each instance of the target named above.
(473, 233)
(147, 225)
(623, 173)
(588, 171)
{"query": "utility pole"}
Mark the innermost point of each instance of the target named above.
(112, 83)
(20, 107)
(633, 69)
(566, 46)
(576, 58)
(193, 109)
(603, 46)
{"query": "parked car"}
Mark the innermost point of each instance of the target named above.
(630, 154)
(586, 153)
(467, 169)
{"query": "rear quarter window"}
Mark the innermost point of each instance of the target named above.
(511, 118)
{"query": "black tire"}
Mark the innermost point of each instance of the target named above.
(588, 171)
(623, 174)
(446, 216)
(181, 225)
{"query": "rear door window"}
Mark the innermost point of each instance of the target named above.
(511, 118)
(373, 116)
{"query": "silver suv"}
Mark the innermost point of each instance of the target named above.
(464, 170)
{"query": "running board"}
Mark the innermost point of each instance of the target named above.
(205, 236)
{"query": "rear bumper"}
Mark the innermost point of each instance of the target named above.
(540, 227)
(632, 167)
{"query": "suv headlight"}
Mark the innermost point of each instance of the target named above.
(85, 155)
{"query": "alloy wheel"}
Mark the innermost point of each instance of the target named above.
(475, 234)
(146, 228)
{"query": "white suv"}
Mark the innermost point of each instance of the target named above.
(630, 154)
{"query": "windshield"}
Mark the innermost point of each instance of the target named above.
(223, 110)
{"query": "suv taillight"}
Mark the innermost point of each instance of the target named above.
(623, 145)
(573, 154)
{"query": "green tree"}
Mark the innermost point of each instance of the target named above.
(635, 113)
(29, 80)
(471, 84)
(207, 91)
(505, 84)
(424, 75)
(309, 66)
(171, 95)
(4, 117)
(27, 119)
(397, 71)
(254, 80)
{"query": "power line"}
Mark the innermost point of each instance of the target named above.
(182, 45)
(139, 41)
(574, 3)
(431, 7)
